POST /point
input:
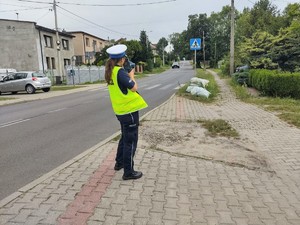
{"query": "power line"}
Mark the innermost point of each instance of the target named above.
(105, 28)
(111, 5)
(14, 10)
(102, 5)
(34, 1)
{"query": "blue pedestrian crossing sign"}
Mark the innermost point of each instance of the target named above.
(195, 43)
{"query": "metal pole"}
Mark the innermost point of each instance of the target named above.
(57, 40)
(232, 39)
(195, 61)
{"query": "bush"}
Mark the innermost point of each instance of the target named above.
(274, 83)
(225, 68)
(158, 62)
(149, 65)
(241, 78)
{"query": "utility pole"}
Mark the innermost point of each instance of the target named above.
(163, 56)
(232, 39)
(59, 71)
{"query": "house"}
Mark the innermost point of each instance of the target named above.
(86, 46)
(27, 46)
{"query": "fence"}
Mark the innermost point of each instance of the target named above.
(84, 74)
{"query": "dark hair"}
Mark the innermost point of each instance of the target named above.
(110, 64)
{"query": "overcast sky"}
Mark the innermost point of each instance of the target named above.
(123, 18)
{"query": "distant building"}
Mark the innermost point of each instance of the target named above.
(27, 46)
(86, 46)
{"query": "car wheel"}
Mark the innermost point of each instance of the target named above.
(30, 89)
(46, 89)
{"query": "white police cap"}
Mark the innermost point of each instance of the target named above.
(117, 51)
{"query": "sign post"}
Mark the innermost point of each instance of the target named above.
(195, 44)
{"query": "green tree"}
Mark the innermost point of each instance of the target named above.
(178, 40)
(146, 53)
(219, 34)
(286, 48)
(161, 44)
(255, 51)
(134, 50)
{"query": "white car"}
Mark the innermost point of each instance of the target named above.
(28, 81)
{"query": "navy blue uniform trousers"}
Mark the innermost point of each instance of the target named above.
(128, 142)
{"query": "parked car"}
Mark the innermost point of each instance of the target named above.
(5, 72)
(242, 68)
(28, 81)
(175, 65)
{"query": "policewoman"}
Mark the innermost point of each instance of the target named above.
(126, 103)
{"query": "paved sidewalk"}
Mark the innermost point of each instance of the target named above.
(174, 189)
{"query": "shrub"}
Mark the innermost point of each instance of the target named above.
(274, 83)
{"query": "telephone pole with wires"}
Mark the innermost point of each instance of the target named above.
(60, 73)
(232, 39)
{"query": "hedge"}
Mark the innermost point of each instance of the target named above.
(275, 83)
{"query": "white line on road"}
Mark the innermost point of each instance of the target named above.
(154, 86)
(166, 86)
(56, 110)
(13, 123)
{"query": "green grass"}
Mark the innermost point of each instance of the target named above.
(212, 87)
(5, 98)
(287, 109)
(219, 128)
(65, 87)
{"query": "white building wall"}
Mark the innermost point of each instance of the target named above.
(18, 45)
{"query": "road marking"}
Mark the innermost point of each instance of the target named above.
(56, 110)
(154, 86)
(166, 86)
(13, 123)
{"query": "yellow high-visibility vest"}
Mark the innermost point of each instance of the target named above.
(121, 103)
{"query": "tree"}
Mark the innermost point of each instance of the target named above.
(255, 51)
(134, 50)
(146, 53)
(178, 41)
(262, 17)
(161, 44)
(219, 34)
(101, 57)
(198, 26)
(286, 50)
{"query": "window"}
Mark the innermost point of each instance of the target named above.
(48, 63)
(65, 44)
(20, 76)
(53, 63)
(87, 42)
(94, 45)
(78, 60)
(67, 62)
(48, 41)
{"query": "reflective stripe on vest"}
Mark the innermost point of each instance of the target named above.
(121, 103)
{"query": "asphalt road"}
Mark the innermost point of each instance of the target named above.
(38, 136)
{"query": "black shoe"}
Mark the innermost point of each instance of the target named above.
(132, 176)
(118, 166)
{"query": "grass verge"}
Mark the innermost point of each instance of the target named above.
(287, 109)
(219, 127)
(212, 87)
